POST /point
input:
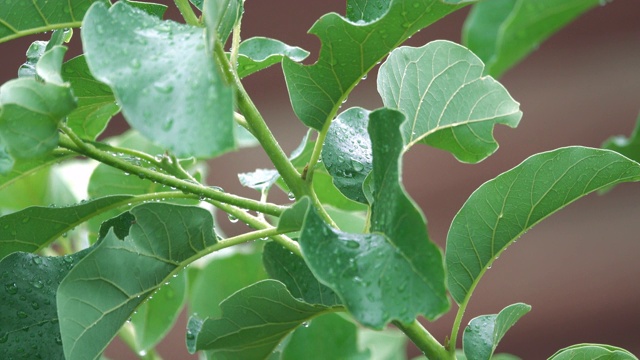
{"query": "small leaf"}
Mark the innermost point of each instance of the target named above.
(103, 290)
(504, 208)
(259, 53)
(629, 147)
(96, 103)
(221, 16)
(482, 335)
(154, 318)
(592, 351)
(317, 90)
(292, 271)
(260, 179)
(502, 33)
(241, 333)
(28, 315)
(22, 18)
(449, 104)
(163, 77)
(292, 218)
(347, 152)
(36, 50)
(33, 228)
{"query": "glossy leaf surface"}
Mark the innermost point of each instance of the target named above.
(37, 49)
(448, 103)
(593, 351)
(482, 335)
(163, 77)
(259, 53)
(254, 320)
(349, 50)
(20, 18)
(104, 289)
(503, 32)
(28, 315)
(502, 209)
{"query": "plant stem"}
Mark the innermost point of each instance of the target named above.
(431, 348)
(453, 339)
(187, 12)
(72, 142)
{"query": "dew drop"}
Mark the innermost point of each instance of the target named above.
(357, 166)
(4, 338)
(11, 288)
(352, 244)
(232, 218)
(142, 353)
(190, 335)
(35, 305)
(291, 196)
(37, 260)
(135, 63)
(163, 88)
(22, 315)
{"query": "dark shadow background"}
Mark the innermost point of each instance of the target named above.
(579, 268)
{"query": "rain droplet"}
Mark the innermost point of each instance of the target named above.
(352, 244)
(142, 353)
(163, 88)
(11, 288)
(232, 218)
(190, 335)
(291, 196)
(37, 260)
(357, 166)
(4, 338)
(135, 63)
(26, 219)
(22, 314)
(37, 284)
(35, 305)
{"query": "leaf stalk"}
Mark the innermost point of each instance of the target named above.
(431, 348)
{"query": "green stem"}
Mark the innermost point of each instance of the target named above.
(235, 44)
(72, 142)
(431, 348)
(453, 339)
(187, 12)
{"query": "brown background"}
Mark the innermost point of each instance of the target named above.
(579, 268)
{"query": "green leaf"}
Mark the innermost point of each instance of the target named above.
(96, 103)
(23, 168)
(154, 318)
(347, 152)
(502, 33)
(28, 315)
(394, 273)
(292, 218)
(482, 335)
(33, 228)
(448, 103)
(349, 50)
(103, 290)
(221, 16)
(221, 277)
(629, 147)
(389, 344)
(197, 3)
(254, 320)
(259, 53)
(592, 351)
(163, 77)
(20, 18)
(292, 271)
(328, 336)
(504, 208)
(154, 9)
(365, 10)
(37, 49)
(261, 179)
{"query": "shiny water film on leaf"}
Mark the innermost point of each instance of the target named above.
(163, 77)
(592, 351)
(28, 314)
(482, 335)
(350, 48)
(104, 289)
(448, 103)
(504, 208)
(502, 33)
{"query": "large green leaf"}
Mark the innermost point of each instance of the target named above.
(504, 208)
(394, 273)
(103, 290)
(254, 320)
(259, 53)
(592, 351)
(350, 48)
(503, 32)
(448, 103)
(163, 77)
(33, 228)
(20, 18)
(96, 103)
(28, 315)
(482, 335)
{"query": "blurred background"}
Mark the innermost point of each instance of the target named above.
(578, 269)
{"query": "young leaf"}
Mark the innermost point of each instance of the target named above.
(349, 50)
(96, 103)
(28, 315)
(504, 208)
(21, 18)
(260, 179)
(292, 271)
(33, 228)
(629, 147)
(259, 53)
(221, 16)
(482, 335)
(154, 318)
(449, 104)
(592, 351)
(37, 49)
(292, 218)
(241, 333)
(502, 33)
(163, 77)
(347, 152)
(103, 290)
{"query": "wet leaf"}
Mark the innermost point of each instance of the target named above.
(221, 16)
(37, 49)
(23, 168)
(292, 218)
(259, 53)
(448, 103)
(592, 351)
(103, 290)
(163, 77)
(504, 208)
(154, 9)
(260, 179)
